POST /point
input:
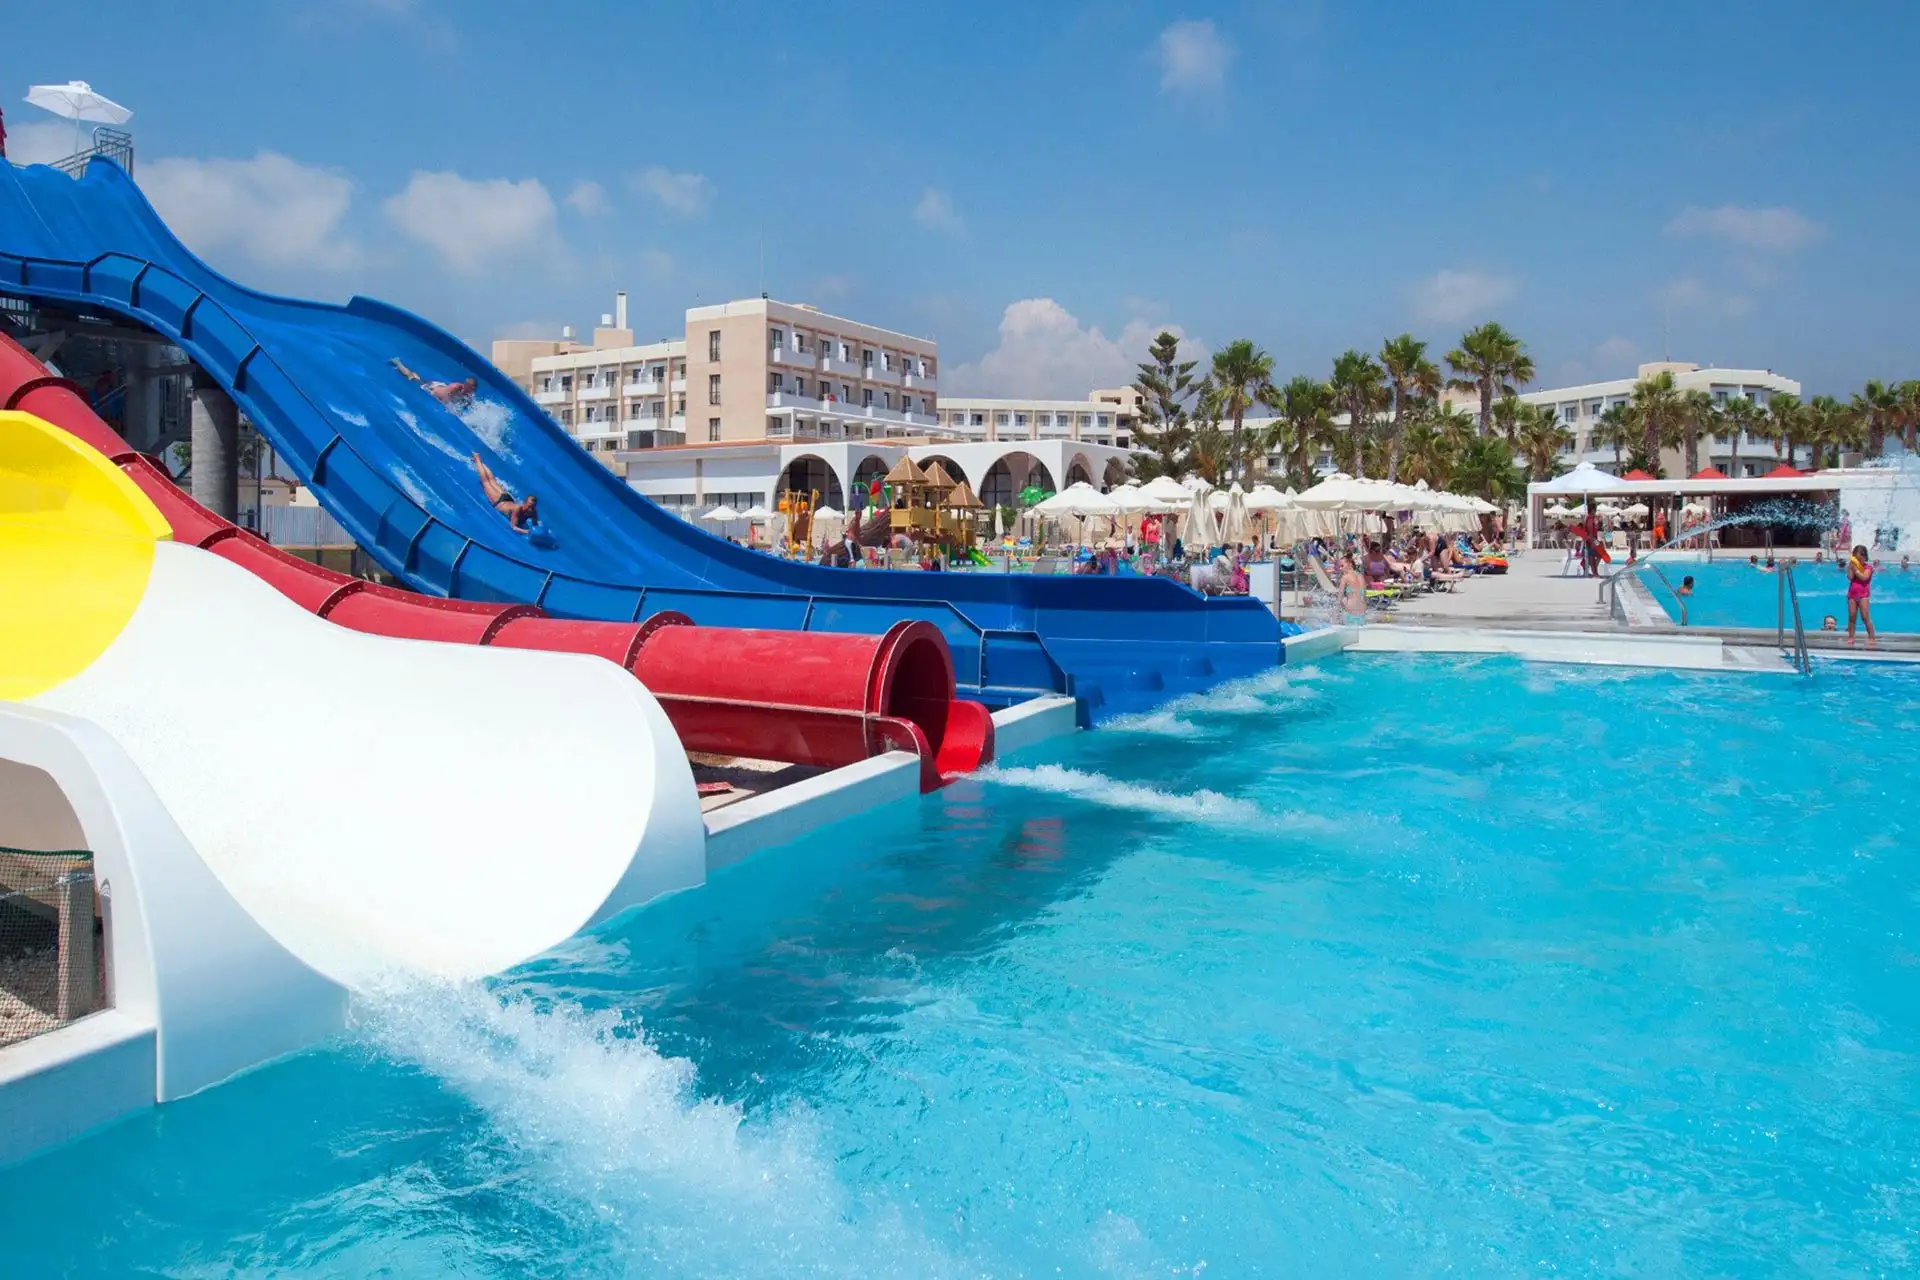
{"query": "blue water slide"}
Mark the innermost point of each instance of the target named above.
(395, 467)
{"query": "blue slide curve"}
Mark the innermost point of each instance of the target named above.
(394, 467)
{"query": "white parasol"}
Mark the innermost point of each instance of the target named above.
(76, 101)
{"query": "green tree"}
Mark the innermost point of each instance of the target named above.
(1656, 410)
(1786, 426)
(1412, 377)
(1166, 385)
(1877, 407)
(1909, 399)
(1833, 426)
(1739, 415)
(1491, 363)
(1241, 374)
(1305, 423)
(1699, 416)
(1615, 428)
(1486, 469)
(1358, 388)
(1541, 436)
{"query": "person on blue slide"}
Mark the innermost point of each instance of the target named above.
(522, 516)
(455, 395)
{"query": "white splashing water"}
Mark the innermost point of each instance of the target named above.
(1162, 723)
(490, 420)
(1195, 806)
(347, 415)
(615, 1138)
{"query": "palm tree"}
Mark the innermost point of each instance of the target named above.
(1357, 388)
(1489, 362)
(1834, 426)
(1786, 426)
(1485, 468)
(1305, 409)
(1241, 372)
(1877, 406)
(1210, 453)
(1698, 417)
(1412, 377)
(1614, 427)
(1739, 414)
(1541, 436)
(1656, 410)
(1909, 399)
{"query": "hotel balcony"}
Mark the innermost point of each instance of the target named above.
(678, 422)
(646, 387)
(680, 385)
(921, 381)
(551, 397)
(837, 410)
(835, 365)
(601, 392)
(788, 356)
(876, 373)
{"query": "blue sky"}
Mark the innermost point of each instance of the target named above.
(1042, 186)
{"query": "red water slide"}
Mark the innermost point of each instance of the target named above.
(806, 697)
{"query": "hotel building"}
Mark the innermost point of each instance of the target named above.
(1104, 417)
(756, 369)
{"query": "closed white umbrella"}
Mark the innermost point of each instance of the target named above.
(76, 101)
(1234, 527)
(1196, 528)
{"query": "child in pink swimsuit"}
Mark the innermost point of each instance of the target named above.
(1860, 595)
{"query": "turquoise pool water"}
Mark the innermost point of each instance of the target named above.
(1735, 594)
(1383, 967)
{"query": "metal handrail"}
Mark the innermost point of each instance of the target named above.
(1668, 584)
(1802, 661)
(108, 144)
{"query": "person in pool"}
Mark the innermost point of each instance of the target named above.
(454, 395)
(520, 515)
(1686, 587)
(1860, 596)
(1828, 623)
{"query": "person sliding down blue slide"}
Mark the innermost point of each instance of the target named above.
(523, 517)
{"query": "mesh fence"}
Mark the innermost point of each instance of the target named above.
(50, 962)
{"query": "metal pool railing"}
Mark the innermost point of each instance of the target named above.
(1790, 595)
(1677, 597)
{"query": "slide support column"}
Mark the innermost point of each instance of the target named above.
(216, 446)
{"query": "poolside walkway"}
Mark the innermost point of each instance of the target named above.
(1531, 594)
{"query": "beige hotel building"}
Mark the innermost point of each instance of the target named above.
(751, 370)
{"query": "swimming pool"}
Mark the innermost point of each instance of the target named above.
(1732, 593)
(1386, 966)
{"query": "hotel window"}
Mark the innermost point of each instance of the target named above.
(775, 382)
(1000, 419)
(866, 359)
(566, 382)
(776, 339)
(979, 419)
(1019, 419)
(846, 352)
(680, 403)
(1101, 420)
(713, 344)
(546, 384)
(846, 392)
(866, 397)
(633, 412)
(1593, 408)
(713, 429)
(799, 386)
(566, 417)
(713, 388)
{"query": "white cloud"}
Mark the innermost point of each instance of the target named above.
(1779, 229)
(935, 212)
(472, 222)
(686, 194)
(271, 209)
(1193, 58)
(1046, 353)
(1454, 296)
(589, 199)
(41, 142)
(656, 262)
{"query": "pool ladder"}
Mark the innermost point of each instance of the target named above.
(1790, 594)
